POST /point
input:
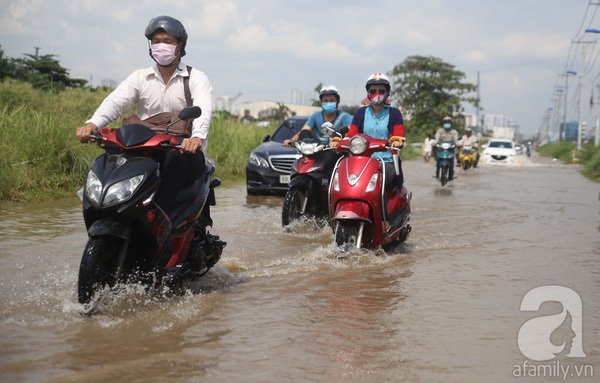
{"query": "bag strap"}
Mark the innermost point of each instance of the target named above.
(186, 87)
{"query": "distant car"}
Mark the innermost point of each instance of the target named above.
(269, 165)
(519, 148)
(499, 151)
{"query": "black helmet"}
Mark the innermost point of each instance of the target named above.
(169, 25)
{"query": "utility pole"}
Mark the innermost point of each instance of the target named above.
(579, 102)
(569, 72)
(597, 134)
(478, 130)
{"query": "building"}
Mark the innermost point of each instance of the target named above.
(264, 110)
(491, 121)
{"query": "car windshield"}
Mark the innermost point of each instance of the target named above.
(283, 133)
(500, 144)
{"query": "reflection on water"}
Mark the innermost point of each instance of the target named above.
(282, 305)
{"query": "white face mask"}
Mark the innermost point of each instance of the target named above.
(164, 54)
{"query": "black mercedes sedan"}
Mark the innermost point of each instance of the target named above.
(269, 165)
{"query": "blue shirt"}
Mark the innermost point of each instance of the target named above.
(318, 118)
(377, 127)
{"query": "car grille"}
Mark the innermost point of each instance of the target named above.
(499, 158)
(282, 163)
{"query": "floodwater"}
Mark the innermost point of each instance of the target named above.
(283, 307)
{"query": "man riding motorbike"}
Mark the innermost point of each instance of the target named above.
(469, 139)
(446, 134)
(162, 88)
(330, 99)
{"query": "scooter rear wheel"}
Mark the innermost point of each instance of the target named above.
(97, 269)
(292, 205)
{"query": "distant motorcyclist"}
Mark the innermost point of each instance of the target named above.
(469, 139)
(446, 134)
(330, 99)
(428, 145)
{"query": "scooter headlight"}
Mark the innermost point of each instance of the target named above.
(310, 148)
(358, 145)
(93, 187)
(122, 191)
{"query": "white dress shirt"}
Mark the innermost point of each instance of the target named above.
(146, 88)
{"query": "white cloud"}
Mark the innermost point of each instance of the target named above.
(22, 8)
(244, 45)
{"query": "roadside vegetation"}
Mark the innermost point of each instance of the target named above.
(588, 157)
(42, 159)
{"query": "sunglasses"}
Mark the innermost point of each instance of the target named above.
(375, 91)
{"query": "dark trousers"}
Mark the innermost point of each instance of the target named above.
(390, 175)
(176, 170)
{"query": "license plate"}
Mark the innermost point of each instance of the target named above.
(284, 179)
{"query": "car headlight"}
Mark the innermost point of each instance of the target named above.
(122, 191)
(93, 187)
(258, 161)
(358, 145)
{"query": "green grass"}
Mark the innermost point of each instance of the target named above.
(588, 156)
(42, 159)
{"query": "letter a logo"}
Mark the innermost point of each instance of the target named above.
(535, 335)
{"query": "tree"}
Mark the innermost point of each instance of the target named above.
(43, 72)
(282, 112)
(317, 102)
(7, 66)
(428, 89)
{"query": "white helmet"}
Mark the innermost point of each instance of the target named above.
(378, 78)
(329, 89)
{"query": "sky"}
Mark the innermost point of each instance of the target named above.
(280, 50)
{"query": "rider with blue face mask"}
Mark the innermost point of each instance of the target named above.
(330, 99)
(446, 134)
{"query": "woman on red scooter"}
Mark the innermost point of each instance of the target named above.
(382, 121)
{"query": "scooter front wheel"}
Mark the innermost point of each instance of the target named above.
(444, 175)
(98, 267)
(293, 205)
(346, 233)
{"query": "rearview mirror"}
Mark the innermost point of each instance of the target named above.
(190, 112)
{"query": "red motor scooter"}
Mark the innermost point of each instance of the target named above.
(311, 173)
(363, 213)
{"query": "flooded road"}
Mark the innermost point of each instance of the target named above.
(282, 307)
